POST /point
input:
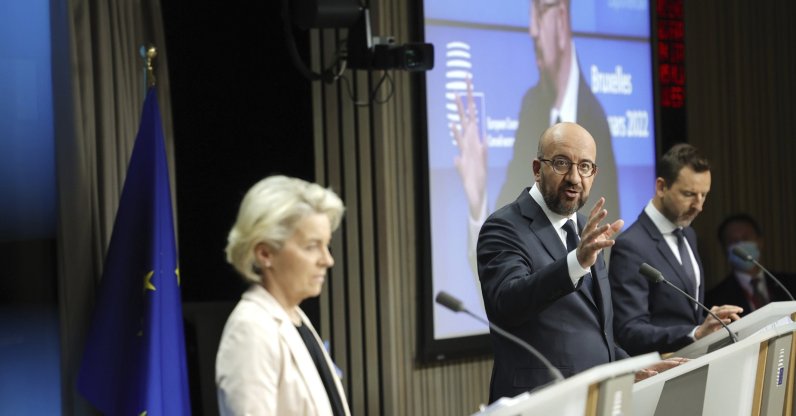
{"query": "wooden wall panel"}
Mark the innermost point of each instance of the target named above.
(369, 310)
(740, 60)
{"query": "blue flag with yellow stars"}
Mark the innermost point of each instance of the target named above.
(134, 357)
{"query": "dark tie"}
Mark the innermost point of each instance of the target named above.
(572, 244)
(685, 259)
(758, 298)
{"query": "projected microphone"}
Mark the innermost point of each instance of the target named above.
(654, 276)
(738, 251)
(450, 302)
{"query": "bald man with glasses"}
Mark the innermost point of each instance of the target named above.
(542, 272)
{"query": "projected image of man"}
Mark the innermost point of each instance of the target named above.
(561, 94)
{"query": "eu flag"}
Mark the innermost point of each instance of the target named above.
(134, 358)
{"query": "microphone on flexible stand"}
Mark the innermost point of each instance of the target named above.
(655, 276)
(738, 251)
(450, 302)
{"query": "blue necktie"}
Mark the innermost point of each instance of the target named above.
(685, 259)
(572, 244)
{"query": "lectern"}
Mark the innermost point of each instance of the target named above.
(600, 391)
(751, 377)
(772, 314)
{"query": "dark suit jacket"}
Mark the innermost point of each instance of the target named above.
(730, 292)
(652, 317)
(535, 118)
(527, 290)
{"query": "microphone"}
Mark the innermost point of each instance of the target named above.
(738, 251)
(450, 302)
(654, 276)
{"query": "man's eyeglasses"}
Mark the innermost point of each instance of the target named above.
(562, 166)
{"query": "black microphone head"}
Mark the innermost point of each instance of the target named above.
(738, 251)
(652, 274)
(450, 302)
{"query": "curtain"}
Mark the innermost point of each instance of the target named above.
(99, 88)
(740, 88)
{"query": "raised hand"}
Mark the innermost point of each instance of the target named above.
(471, 160)
(596, 237)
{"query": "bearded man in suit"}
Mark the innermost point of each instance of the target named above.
(542, 272)
(654, 317)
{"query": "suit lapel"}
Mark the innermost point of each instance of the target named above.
(690, 236)
(596, 271)
(666, 252)
(303, 360)
(682, 280)
(298, 351)
(541, 227)
(327, 359)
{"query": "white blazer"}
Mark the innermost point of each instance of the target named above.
(263, 366)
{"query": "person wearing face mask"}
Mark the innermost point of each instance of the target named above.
(654, 317)
(746, 285)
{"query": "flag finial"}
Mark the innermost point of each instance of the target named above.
(149, 55)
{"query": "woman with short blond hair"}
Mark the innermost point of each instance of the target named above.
(270, 360)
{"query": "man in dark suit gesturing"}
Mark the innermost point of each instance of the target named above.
(651, 317)
(555, 298)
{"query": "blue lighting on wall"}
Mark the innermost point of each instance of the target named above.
(27, 157)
